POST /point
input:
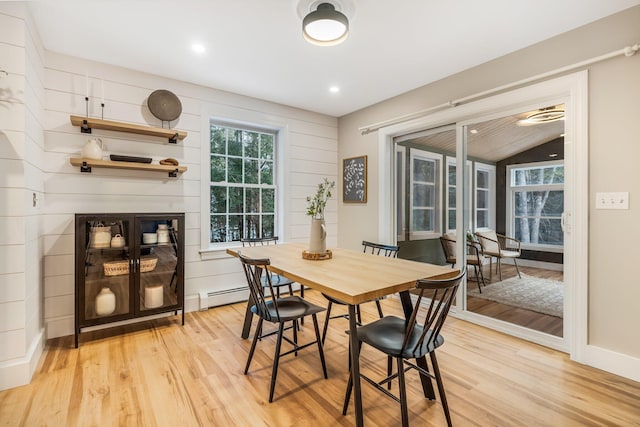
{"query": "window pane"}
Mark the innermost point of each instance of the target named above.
(251, 141)
(218, 140)
(266, 146)
(252, 200)
(423, 219)
(236, 200)
(423, 195)
(482, 179)
(218, 230)
(452, 175)
(235, 142)
(541, 231)
(539, 203)
(482, 201)
(537, 176)
(250, 171)
(218, 168)
(252, 226)
(266, 172)
(218, 199)
(424, 170)
(268, 201)
(268, 226)
(482, 219)
(235, 228)
(452, 197)
(452, 219)
(235, 170)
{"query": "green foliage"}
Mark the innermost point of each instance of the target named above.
(318, 202)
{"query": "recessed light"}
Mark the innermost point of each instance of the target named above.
(334, 89)
(473, 131)
(198, 48)
(553, 155)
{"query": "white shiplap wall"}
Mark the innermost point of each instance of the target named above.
(21, 181)
(310, 153)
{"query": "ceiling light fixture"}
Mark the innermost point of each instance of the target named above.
(197, 48)
(325, 26)
(543, 115)
(334, 89)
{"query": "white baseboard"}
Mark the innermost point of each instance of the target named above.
(616, 363)
(18, 372)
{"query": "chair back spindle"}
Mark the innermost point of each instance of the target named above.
(380, 249)
(253, 269)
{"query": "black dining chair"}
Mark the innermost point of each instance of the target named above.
(276, 280)
(368, 247)
(278, 311)
(405, 340)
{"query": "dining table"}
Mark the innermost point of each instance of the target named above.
(352, 277)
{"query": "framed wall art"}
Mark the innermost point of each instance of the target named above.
(354, 180)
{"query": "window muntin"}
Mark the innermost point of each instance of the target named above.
(242, 183)
(536, 203)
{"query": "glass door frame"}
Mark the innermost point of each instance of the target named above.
(571, 90)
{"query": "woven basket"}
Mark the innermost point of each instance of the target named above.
(117, 268)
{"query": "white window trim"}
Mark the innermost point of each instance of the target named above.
(451, 161)
(403, 165)
(438, 158)
(491, 169)
(240, 118)
(510, 200)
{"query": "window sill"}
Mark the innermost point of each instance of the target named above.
(218, 252)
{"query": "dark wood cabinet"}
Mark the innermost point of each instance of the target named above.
(127, 266)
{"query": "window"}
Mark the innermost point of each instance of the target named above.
(425, 194)
(401, 227)
(451, 192)
(536, 203)
(242, 183)
(485, 190)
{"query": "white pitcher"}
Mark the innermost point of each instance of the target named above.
(318, 240)
(93, 149)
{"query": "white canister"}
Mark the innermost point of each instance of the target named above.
(117, 241)
(163, 235)
(153, 296)
(105, 302)
(100, 236)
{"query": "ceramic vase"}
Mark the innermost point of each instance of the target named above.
(153, 296)
(105, 302)
(318, 240)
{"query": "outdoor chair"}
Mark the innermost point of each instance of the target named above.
(278, 311)
(498, 246)
(474, 256)
(404, 340)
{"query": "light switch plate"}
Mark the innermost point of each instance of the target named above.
(619, 200)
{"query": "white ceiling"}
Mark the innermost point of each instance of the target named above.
(256, 48)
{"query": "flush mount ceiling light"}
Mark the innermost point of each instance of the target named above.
(543, 115)
(325, 26)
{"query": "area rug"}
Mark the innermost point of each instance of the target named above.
(531, 293)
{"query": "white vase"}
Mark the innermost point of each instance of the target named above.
(153, 296)
(105, 302)
(318, 240)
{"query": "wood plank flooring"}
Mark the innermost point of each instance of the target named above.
(159, 373)
(518, 316)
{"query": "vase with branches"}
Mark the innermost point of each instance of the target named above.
(315, 210)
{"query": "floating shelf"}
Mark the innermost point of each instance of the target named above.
(88, 123)
(87, 164)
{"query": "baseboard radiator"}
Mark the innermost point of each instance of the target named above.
(227, 296)
(230, 296)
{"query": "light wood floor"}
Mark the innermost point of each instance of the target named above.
(159, 373)
(518, 316)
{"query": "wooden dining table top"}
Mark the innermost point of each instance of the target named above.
(350, 276)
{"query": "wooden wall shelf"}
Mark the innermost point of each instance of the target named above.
(87, 164)
(88, 123)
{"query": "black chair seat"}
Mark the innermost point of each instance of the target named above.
(289, 308)
(388, 335)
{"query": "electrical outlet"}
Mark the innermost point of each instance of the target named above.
(619, 200)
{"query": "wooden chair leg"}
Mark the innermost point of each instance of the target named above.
(276, 359)
(517, 269)
(253, 345)
(404, 410)
(379, 309)
(389, 370)
(319, 342)
(326, 322)
(295, 335)
(443, 397)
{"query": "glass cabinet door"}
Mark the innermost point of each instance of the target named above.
(107, 263)
(159, 284)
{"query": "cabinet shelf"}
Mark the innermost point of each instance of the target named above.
(88, 123)
(87, 164)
